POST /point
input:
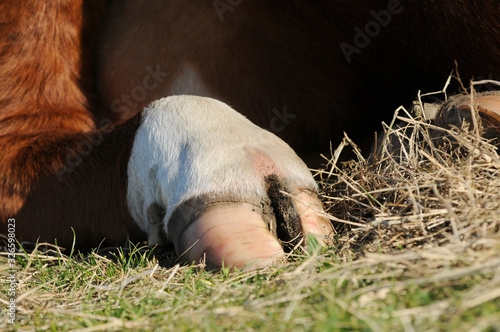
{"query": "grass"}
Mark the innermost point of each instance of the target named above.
(321, 292)
(416, 248)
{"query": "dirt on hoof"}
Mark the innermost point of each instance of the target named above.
(288, 227)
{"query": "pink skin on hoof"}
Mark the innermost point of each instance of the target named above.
(312, 221)
(235, 235)
(263, 165)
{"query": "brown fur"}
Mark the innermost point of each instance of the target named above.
(45, 84)
(264, 55)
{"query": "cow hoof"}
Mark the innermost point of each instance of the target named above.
(219, 188)
(458, 110)
(225, 234)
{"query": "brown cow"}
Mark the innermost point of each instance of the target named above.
(77, 152)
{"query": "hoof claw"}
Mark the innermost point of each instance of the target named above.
(457, 111)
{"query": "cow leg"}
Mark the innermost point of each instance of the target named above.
(214, 184)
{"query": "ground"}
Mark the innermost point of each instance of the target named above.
(417, 248)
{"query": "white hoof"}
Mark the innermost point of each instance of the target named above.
(208, 180)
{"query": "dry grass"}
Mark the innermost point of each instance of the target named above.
(426, 186)
(417, 248)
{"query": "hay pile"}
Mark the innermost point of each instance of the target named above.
(425, 187)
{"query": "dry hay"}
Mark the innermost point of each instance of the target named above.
(425, 187)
